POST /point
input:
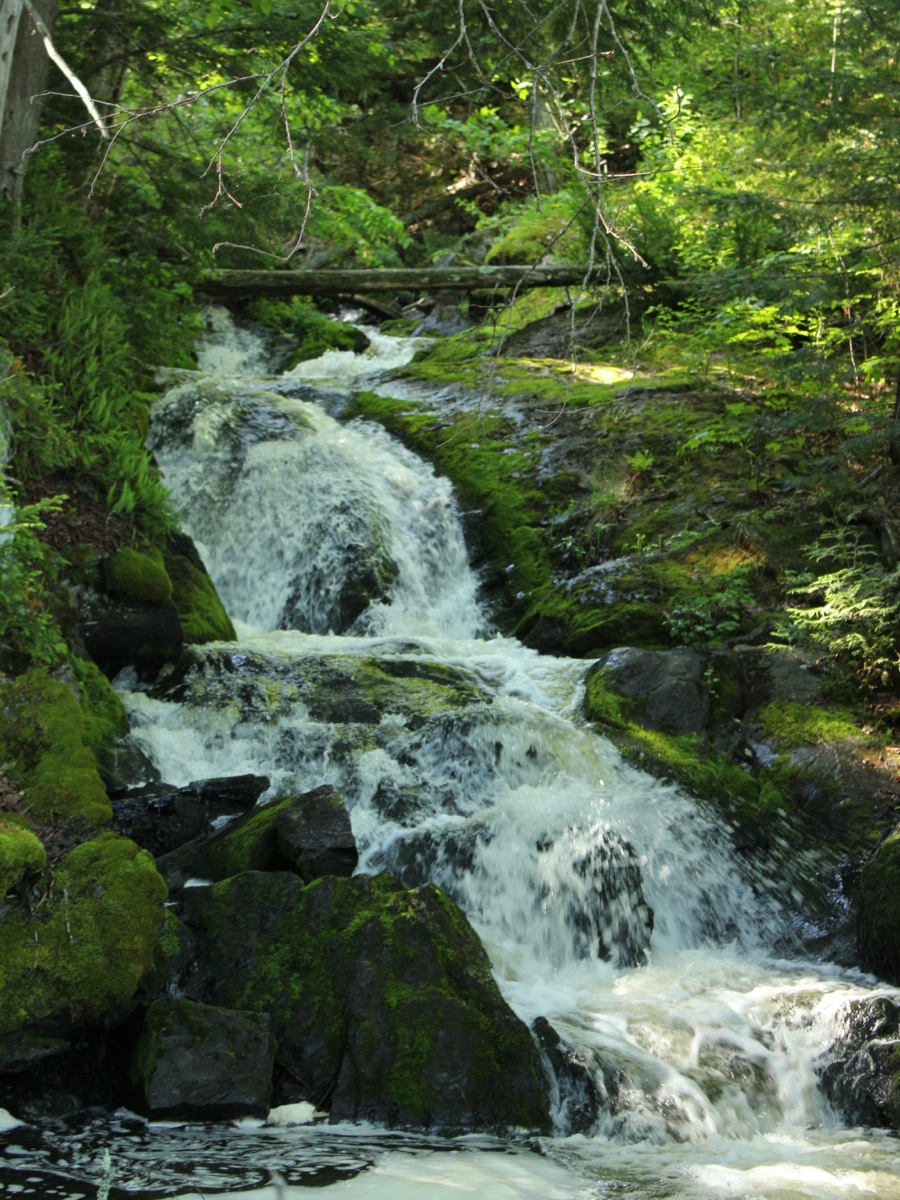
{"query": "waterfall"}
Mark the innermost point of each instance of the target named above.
(612, 905)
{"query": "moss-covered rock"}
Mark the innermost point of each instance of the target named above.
(308, 834)
(139, 578)
(201, 612)
(105, 719)
(322, 334)
(21, 853)
(382, 999)
(202, 1061)
(345, 689)
(307, 332)
(879, 910)
(83, 958)
(549, 228)
(43, 736)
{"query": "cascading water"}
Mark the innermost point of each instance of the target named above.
(610, 904)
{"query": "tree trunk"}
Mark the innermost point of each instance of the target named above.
(23, 76)
(238, 284)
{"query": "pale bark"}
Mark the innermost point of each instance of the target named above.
(26, 76)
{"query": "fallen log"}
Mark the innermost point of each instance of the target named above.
(238, 284)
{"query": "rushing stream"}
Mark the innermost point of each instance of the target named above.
(491, 786)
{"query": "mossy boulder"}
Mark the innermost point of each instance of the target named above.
(105, 719)
(547, 229)
(201, 1061)
(345, 689)
(139, 578)
(201, 612)
(306, 332)
(44, 738)
(308, 834)
(82, 958)
(21, 853)
(879, 910)
(382, 1000)
(321, 334)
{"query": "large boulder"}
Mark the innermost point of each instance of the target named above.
(861, 1071)
(382, 1000)
(204, 1062)
(83, 960)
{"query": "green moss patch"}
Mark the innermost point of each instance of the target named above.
(201, 612)
(748, 802)
(44, 738)
(84, 956)
(492, 475)
(103, 713)
(139, 578)
(21, 853)
(792, 725)
(312, 331)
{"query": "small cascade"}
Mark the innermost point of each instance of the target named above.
(618, 920)
(362, 536)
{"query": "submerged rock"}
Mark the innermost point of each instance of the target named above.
(382, 1000)
(599, 906)
(581, 1092)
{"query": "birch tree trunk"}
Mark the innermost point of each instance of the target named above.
(23, 76)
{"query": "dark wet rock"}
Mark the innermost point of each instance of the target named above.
(308, 834)
(201, 1061)
(611, 915)
(128, 768)
(861, 1075)
(603, 905)
(879, 910)
(382, 1000)
(45, 1078)
(581, 1090)
(445, 316)
(162, 818)
(435, 855)
(670, 688)
(563, 332)
(118, 635)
